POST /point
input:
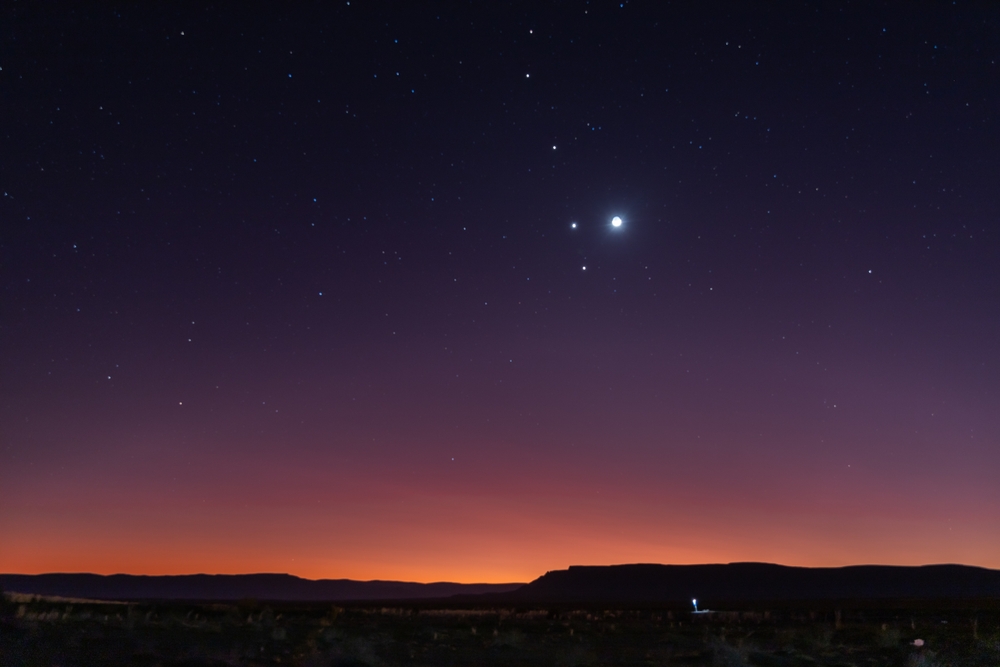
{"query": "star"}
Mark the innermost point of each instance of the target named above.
(616, 221)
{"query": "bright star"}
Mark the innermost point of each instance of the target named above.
(572, 225)
(616, 221)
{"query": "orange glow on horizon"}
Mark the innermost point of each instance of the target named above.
(469, 540)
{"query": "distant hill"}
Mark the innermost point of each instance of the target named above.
(735, 582)
(618, 584)
(233, 587)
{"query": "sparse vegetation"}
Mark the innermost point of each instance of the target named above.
(37, 631)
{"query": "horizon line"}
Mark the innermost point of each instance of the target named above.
(482, 583)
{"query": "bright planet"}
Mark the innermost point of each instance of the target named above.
(616, 221)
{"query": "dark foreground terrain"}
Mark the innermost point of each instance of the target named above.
(67, 632)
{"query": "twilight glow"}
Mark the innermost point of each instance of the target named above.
(311, 290)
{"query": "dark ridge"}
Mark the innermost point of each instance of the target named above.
(233, 587)
(754, 582)
(643, 584)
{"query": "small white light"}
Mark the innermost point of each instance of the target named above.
(616, 221)
(584, 268)
(572, 225)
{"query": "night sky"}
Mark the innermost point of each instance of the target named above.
(333, 289)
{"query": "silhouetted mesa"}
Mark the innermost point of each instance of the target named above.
(747, 582)
(620, 584)
(233, 587)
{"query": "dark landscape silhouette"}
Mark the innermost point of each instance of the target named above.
(765, 616)
(757, 582)
(618, 584)
(233, 587)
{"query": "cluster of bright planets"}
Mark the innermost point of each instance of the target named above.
(616, 223)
